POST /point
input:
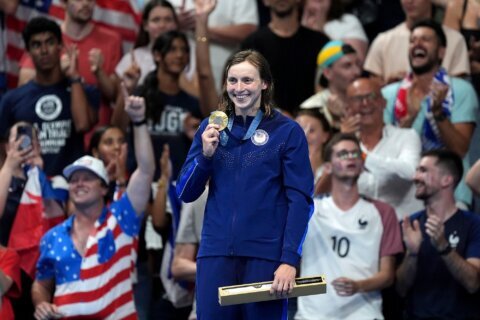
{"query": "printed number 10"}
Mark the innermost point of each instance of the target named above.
(341, 246)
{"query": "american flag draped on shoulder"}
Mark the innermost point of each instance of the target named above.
(36, 214)
(117, 15)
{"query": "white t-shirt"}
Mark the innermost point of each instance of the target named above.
(226, 13)
(388, 54)
(347, 27)
(347, 244)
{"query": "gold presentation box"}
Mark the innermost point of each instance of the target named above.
(260, 291)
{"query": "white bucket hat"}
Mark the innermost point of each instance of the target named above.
(87, 163)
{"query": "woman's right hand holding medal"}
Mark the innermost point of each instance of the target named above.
(210, 139)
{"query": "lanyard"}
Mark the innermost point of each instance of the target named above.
(225, 134)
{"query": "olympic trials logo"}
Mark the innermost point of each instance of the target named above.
(48, 107)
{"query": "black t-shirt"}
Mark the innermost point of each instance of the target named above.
(15, 191)
(293, 62)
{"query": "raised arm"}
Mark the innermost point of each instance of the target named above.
(455, 134)
(473, 178)
(208, 94)
(158, 208)
(139, 186)
(107, 83)
(11, 167)
(83, 115)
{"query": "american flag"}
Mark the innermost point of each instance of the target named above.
(97, 285)
(117, 15)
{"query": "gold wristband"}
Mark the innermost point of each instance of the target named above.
(202, 39)
(162, 183)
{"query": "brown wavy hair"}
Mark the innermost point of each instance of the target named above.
(258, 60)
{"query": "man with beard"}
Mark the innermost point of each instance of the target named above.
(440, 273)
(291, 51)
(98, 50)
(440, 108)
(387, 57)
(351, 239)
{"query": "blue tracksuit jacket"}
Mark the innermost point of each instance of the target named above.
(260, 196)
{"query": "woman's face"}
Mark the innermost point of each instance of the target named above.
(314, 131)
(176, 59)
(160, 20)
(319, 6)
(244, 87)
(109, 145)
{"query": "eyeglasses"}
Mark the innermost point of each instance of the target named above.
(345, 154)
(369, 97)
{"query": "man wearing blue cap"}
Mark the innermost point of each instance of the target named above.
(337, 67)
(86, 263)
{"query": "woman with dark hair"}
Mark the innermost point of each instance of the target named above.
(328, 16)
(108, 144)
(260, 186)
(158, 17)
(318, 133)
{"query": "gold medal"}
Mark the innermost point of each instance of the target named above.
(218, 118)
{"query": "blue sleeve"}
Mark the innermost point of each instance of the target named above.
(126, 216)
(93, 96)
(298, 182)
(473, 245)
(46, 263)
(196, 170)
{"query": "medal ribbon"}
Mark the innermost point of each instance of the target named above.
(225, 134)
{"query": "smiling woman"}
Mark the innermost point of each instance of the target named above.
(260, 187)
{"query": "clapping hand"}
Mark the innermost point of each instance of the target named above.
(69, 62)
(96, 59)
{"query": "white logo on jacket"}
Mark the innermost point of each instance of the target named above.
(260, 137)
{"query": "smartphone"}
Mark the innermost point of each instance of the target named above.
(25, 133)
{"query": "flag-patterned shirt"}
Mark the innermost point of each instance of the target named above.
(98, 285)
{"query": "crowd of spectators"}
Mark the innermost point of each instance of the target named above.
(385, 91)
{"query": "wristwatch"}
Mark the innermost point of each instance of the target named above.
(139, 123)
(445, 251)
(76, 80)
(440, 116)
